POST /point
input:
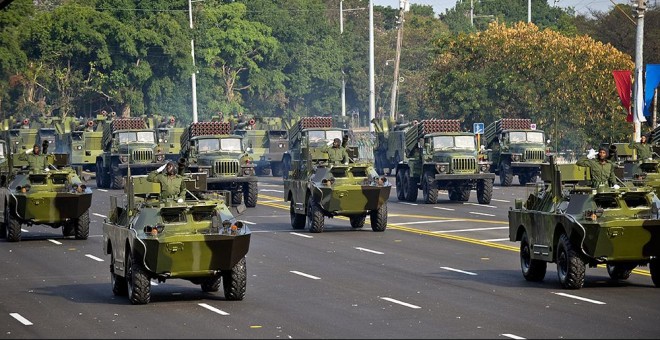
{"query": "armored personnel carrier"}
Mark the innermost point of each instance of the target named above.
(567, 222)
(198, 240)
(318, 189)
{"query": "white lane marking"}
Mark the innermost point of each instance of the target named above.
(99, 215)
(407, 203)
(472, 229)
(442, 208)
(54, 241)
(271, 190)
(504, 201)
(369, 250)
(496, 240)
(247, 222)
(482, 214)
(401, 303)
(94, 257)
(153, 283)
(482, 205)
(213, 309)
(458, 271)
(24, 230)
(432, 221)
(513, 336)
(302, 235)
(581, 298)
(21, 319)
(305, 275)
(104, 190)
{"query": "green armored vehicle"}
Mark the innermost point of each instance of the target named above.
(198, 240)
(56, 198)
(515, 147)
(211, 148)
(567, 222)
(438, 155)
(317, 189)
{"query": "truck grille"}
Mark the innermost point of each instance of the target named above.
(534, 155)
(464, 165)
(142, 156)
(229, 167)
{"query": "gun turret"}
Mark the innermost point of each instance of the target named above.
(22, 124)
(244, 125)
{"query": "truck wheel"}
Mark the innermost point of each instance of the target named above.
(117, 179)
(654, 267)
(464, 194)
(212, 284)
(13, 229)
(234, 281)
(357, 222)
(68, 229)
(484, 191)
(379, 218)
(532, 270)
(236, 197)
(429, 189)
(570, 267)
(286, 166)
(119, 285)
(523, 178)
(99, 175)
(506, 175)
(276, 169)
(297, 220)
(82, 226)
(251, 193)
(452, 193)
(411, 189)
(401, 185)
(315, 218)
(620, 271)
(139, 286)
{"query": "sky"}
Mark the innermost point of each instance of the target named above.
(581, 6)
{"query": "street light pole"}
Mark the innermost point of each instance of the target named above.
(639, 7)
(192, 52)
(343, 79)
(403, 7)
(372, 86)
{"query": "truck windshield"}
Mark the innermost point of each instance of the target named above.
(136, 136)
(453, 142)
(526, 137)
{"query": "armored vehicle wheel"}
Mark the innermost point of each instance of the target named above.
(119, 285)
(620, 271)
(212, 284)
(411, 188)
(117, 178)
(297, 220)
(484, 191)
(379, 218)
(276, 169)
(532, 270)
(654, 267)
(570, 267)
(139, 286)
(357, 222)
(429, 188)
(82, 226)
(315, 218)
(68, 229)
(250, 192)
(464, 194)
(401, 184)
(13, 229)
(234, 281)
(506, 174)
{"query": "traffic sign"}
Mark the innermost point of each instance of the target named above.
(478, 128)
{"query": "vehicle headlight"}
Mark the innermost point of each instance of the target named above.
(79, 147)
(123, 159)
(516, 158)
(441, 167)
(281, 145)
(160, 157)
(247, 171)
(484, 167)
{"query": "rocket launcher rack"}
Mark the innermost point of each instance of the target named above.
(308, 123)
(427, 126)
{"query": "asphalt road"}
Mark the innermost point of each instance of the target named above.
(439, 271)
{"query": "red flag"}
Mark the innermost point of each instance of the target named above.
(623, 80)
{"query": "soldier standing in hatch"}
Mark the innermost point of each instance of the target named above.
(36, 160)
(172, 185)
(337, 153)
(601, 169)
(644, 151)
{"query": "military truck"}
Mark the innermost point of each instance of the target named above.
(56, 198)
(567, 222)
(211, 148)
(126, 141)
(82, 139)
(198, 240)
(516, 148)
(438, 155)
(267, 141)
(390, 143)
(168, 135)
(21, 137)
(317, 189)
(5, 164)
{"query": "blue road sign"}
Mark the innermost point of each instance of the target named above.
(478, 128)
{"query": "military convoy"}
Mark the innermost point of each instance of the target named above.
(390, 143)
(168, 135)
(212, 148)
(317, 189)
(438, 155)
(82, 140)
(515, 147)
(567, 222)
(198, 240)
(267, 140)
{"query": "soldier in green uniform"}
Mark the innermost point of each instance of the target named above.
(644, 151)
(172, 185)
(337, 153)
(36, 160)
(601, 169)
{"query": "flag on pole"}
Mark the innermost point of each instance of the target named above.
(652, 81)
(639, 98)
(623, 81)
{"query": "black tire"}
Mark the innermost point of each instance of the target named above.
(119, 284)
(654, 267)
(234, 281)
(315, 218)
(620, 271)
(378, 218)
(464, 194)
(3, 230)
(117, 178)
(452, 193)
(276, 169)
(251, 194)
(297, 220)
(99, 175)
(570, 267)
(401, 184)
(533, 178)
(82, 226)
(429, 188)
(411, 188)
(212, 284)
(523, 178)
(532, 270)
(139, 285)
(484, 191)
(236, 197)
(68, 229)
(13, 229)
(506, 175)
(357, 222)
(286, 167)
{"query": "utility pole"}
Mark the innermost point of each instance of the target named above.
(638, 9)
(343, 79)
(529, 10)
(372, 85)
(403, 7)
(192, 52)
